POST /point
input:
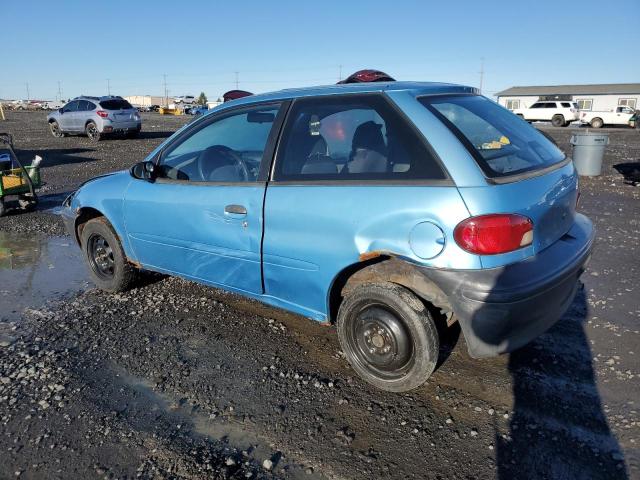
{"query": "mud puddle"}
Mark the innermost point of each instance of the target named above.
(35, 270)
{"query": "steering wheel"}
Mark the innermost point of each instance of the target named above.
(217, 156)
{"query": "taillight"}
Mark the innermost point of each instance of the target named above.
(102, 113)
(493, 234)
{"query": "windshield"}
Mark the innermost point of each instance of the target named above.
(501, 143)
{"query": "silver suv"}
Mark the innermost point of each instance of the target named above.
(95, 117)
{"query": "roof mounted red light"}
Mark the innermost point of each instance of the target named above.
(235, 94)
(362, 76)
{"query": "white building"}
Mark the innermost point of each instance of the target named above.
(600, 97)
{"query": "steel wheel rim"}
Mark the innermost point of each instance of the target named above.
(381, 342)
(101, 256)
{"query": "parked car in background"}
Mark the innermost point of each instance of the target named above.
(198, 110)
(95, 117)
(619, 116)
(52, 105)
(559, 113)
(185, 99)
(388, 208)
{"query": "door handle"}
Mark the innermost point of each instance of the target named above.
(235, 211)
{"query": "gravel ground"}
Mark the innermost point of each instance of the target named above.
(177, 380)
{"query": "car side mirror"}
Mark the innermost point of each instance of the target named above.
(144, 171)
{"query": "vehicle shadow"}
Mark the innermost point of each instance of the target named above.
(147, 135)
(558, 428)
(52, 157)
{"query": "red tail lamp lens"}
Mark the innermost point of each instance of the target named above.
(493, 234)
(102, 113)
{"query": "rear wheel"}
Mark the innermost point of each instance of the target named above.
(54, 127)
(92, 132)
(597, 123)
(3, 210)
(558, 121)
(103, 252)
(388, 336)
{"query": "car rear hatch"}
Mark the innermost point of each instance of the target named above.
(526, 173)
(120, 111)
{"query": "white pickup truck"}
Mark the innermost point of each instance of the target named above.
(619, 116)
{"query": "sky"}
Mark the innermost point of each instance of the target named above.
(128, 46)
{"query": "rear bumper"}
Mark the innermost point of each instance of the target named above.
(502, 309)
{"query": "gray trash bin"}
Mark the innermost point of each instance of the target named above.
(588, 151)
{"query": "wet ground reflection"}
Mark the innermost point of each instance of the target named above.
(35, 269)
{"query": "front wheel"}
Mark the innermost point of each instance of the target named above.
(388, 336)
(55, 129)
(92, 132)
(108, 265)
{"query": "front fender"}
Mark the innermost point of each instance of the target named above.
(106, 196)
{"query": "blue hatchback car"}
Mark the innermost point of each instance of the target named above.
(391, 209)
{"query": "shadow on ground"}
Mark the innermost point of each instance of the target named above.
(558, 429)
(52, 157)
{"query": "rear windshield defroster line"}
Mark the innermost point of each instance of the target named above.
(502, 144)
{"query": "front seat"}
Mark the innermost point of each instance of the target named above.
(368, 150)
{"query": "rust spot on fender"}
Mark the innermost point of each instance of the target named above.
(369, 255)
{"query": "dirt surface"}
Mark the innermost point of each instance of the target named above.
(176, 380)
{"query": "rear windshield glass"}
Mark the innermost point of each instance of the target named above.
(501, 143)
(117, 104)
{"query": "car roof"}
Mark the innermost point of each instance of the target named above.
(417, 88)
(98, 99)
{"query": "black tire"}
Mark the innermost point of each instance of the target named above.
(388, 336)
(92, 132)
(3, 210)
(54, 127)
(597, 123)
(520, 115)
(133, 134)
(108, 265)
(558, 120)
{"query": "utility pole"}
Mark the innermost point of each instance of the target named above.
(28, 94)
(237, 82)
(339, 72)
(59, 91)
(108, 87)
(481, 73)
(166, 95)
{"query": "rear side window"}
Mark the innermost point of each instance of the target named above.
(550, 105)
(116, 104)
(566, 104)
(352, 138)
(501, 143)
